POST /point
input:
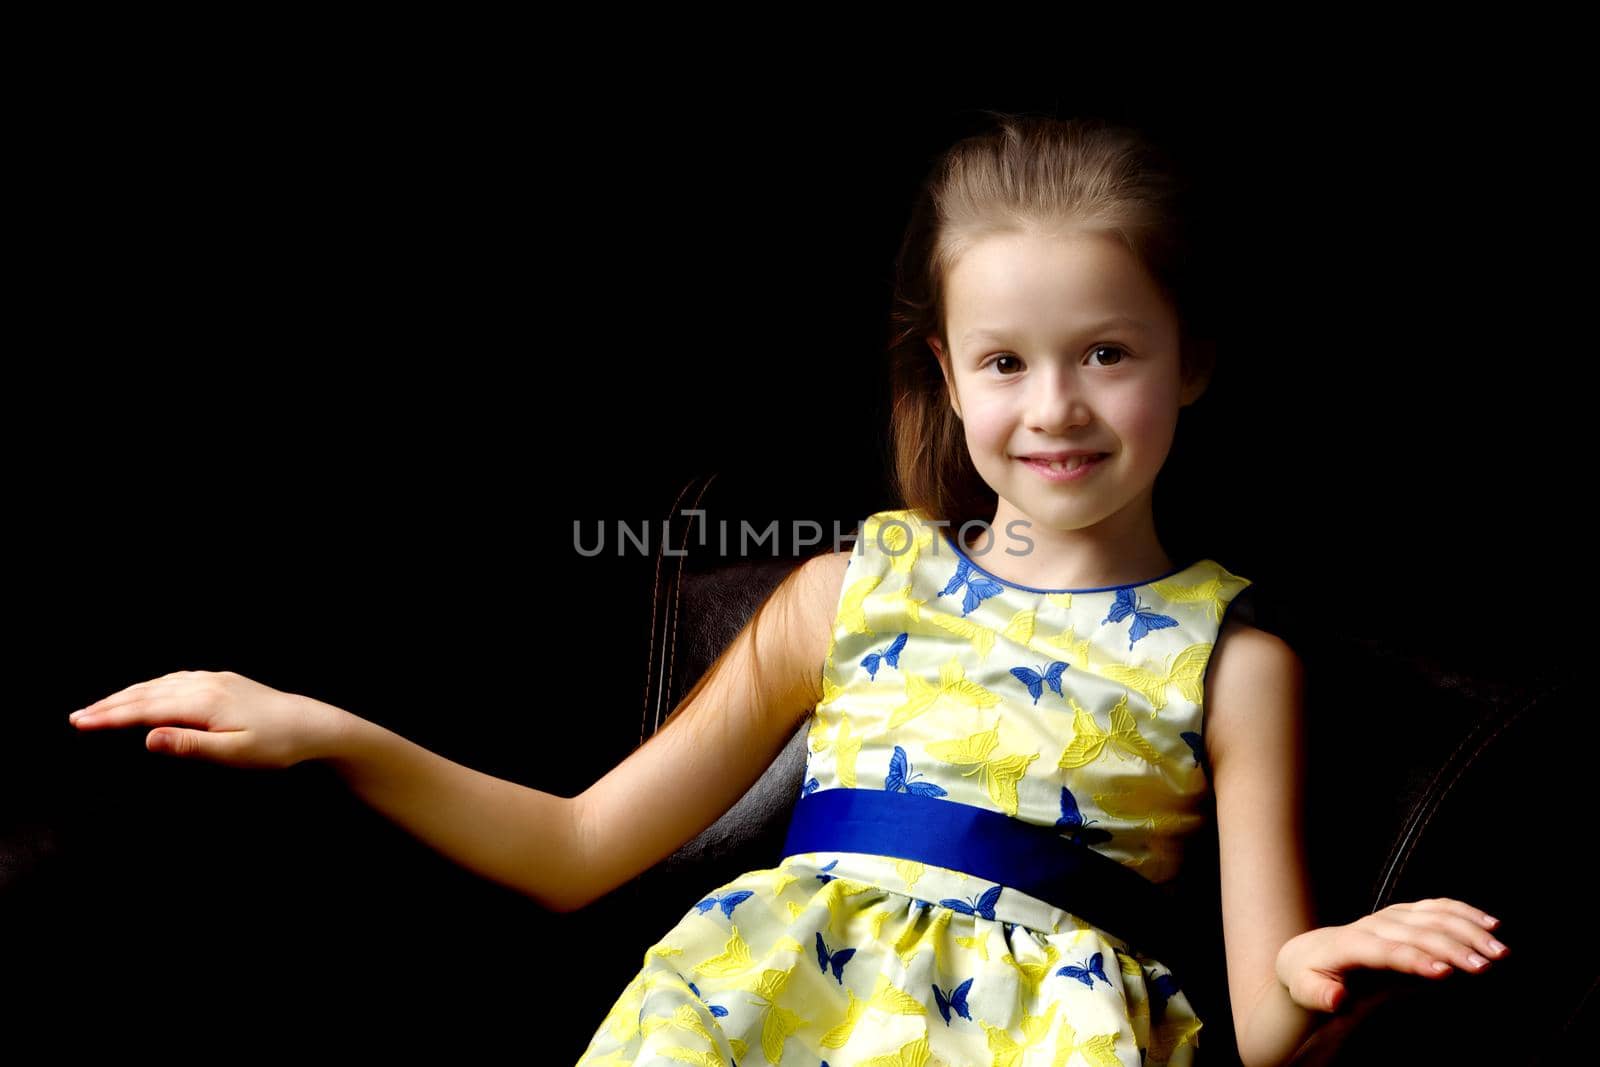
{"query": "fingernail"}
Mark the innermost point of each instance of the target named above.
(75, 714)
(1497, 946)
(1476, 960)
(1490, 920)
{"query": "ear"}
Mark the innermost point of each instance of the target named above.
(944, 368)
(1193, 390)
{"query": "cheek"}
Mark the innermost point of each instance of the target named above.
(1149, 427)
(987, 429)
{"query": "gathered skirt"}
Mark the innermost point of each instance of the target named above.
(847, 958)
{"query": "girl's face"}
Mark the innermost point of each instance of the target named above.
(1057, 344)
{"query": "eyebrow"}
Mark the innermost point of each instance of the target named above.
(997, 334)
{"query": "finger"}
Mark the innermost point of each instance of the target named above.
(1439, 944)
(152, 706)
(122, 696)
(195, 743)
(140, 687)
(1452, 906)
(1460, 929)
(1371, 948)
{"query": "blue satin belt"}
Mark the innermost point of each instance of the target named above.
(993, 846)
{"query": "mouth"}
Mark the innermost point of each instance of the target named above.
(1069, 469)
(1070, 463)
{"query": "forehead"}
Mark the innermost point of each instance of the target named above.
(1037, 282)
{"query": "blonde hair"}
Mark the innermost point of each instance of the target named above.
(1028, 173)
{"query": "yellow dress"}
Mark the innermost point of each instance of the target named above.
(997, 728)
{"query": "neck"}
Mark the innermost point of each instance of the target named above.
(1121, 550)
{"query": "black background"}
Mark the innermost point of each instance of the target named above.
(323, 365)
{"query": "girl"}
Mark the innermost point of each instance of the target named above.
(1007, 750)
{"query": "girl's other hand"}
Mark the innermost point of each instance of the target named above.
(1427, 937)
(240, 723)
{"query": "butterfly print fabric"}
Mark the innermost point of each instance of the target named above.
(1079, 711)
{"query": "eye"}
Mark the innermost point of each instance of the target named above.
(995, 362)
(1110, 348)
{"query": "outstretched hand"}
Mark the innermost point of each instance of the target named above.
(1427, 937)
(238, 722)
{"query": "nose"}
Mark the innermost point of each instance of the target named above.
(1057, 401)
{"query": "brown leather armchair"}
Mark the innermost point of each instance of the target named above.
(1418, 765)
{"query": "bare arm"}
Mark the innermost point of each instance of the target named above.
(719, 740)
(1255, 744)
(512, 834)
(567, 851)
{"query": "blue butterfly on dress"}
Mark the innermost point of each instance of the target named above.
(1072, 820)
(984, 905)
(838, 958)
(1161, 989)
(957, 999)
(1087, 973)
(728, 901)
(1197, 744)
(898, 780)
(717, 1010)
(1037, 680)
(809, 788)
(890, 655)
(1144, 620)
(978, 586)
(826, 878)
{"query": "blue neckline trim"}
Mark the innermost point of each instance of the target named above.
(945, 533)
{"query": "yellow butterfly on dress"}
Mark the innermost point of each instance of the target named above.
(979, 635)
(1089, 741)
(846, 745)
(840, 1033)
(1033, 973)
(662, 951)
(1140, 808)
(779, 1023)
(912, 940)
(1076, 649)
(1186, 671)
(777, 879)
(1000, 773)
(910, 871)
(1020, 628)
(1099, 1050)
(901, 602)
(687, 1055)
(830, 691)
(921, 695)
(892, 1000)
(879, 914)
(734, 959)
(902, 540)
(976, 941)
(1208, 592)
(833, 894)
(852, 606)
(911, 1054)
(1035, 1028)
(683, 1017)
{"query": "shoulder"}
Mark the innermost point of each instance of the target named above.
(1253, 678)
(812, 595)
(820, 581)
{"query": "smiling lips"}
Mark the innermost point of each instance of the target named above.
(1064, 466)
